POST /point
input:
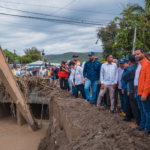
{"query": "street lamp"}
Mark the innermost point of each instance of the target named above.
(43, 56)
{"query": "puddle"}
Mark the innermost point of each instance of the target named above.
(14, 137)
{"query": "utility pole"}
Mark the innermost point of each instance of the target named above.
(134, 39)
(14, 59)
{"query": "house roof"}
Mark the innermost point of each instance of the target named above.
(39, 62)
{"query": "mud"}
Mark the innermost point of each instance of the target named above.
(14, 137)
(101, 129)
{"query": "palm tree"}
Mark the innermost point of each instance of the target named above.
(147, 7)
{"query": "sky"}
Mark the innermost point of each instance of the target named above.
(57, 38)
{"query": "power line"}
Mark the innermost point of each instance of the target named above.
(10, 24)
(58, 7)
(62, 21)
(49, 15)
(62, 8)
(52, 20)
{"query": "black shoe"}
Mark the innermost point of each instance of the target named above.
(146, 132)
(139, 128)
(112, 111)
(126, 119)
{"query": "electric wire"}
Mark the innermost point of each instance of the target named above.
(50, 15)
(58, 7)
(62, 8)
(52, 20)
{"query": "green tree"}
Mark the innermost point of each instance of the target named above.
(127, 23)
(10, 56)
(147, 7)
(108, 37)
(32, 54)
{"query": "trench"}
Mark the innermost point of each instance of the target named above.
(15, 130)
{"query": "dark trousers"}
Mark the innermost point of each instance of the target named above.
(135, 109)
(121, 99)
(68, 87)
(63, 84)
(81, 88)
(128, 108)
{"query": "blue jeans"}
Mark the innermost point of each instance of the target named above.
(121, 99)
(87, 85)
(145, 112)
(70, 85)
(81, 88)
(143, 117)
(54, 78)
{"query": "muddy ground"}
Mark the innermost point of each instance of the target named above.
(101, 129)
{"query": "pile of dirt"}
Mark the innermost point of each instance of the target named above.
(101, 129)
(29, 83)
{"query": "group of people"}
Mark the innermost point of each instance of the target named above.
(100, 82)
(47, 72)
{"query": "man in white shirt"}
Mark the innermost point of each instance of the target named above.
(77, 79)
(40, 72)
(109, 79)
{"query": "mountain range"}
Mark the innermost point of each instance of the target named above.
(68, 56)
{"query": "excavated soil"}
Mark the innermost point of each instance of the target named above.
(101, 129)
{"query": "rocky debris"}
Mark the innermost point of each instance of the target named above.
(101, 129)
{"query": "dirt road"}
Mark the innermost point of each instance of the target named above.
(101, 130)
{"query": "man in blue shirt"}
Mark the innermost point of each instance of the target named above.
(91, 75)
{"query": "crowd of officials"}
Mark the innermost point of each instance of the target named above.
(100, 83)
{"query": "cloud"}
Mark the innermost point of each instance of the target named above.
(55, 38)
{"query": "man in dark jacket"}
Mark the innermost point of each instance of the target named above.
(126, 102)
(128, 76)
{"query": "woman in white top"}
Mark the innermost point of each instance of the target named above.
(77, 79)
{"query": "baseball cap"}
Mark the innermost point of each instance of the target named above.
(132, 58)
(96, 57)
(147, 53)
(121, 61)
(91, 54)
(75, 55)
(71, 63)
(126, 60)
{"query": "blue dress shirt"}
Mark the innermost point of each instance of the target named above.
(92, 70)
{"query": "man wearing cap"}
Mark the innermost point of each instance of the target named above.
(127, 107)
(75, 60)
(142, 83)
(91, 75)
(128, 77)
(120, 72)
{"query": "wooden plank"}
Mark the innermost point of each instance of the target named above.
(14, 90)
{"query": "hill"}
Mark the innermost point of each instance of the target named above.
(68, 56)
